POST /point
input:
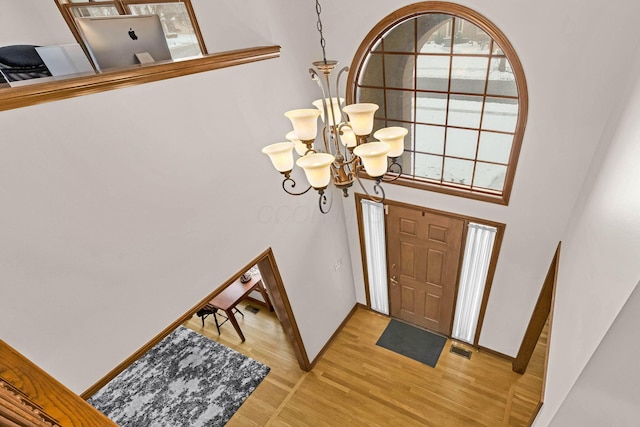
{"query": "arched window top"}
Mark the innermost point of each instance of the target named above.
(454, 81)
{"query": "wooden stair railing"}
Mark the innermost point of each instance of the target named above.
(16, 409)
(31, 397)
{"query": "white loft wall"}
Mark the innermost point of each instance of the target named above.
(32, 22)
(608, 391)
(599, 266)
(121, 210)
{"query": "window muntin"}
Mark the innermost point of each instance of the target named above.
(453, 80)
(176, 16)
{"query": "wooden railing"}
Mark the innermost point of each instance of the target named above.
(31, 397)
(22, 96)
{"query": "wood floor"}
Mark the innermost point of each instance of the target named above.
(357, 383)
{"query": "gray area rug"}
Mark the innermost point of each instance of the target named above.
(412, 342)
(185, 380)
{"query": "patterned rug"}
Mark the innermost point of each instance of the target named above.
(185, 380)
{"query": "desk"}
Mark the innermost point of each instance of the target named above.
(233, 294)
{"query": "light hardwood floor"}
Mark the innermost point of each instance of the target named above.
(357, 383)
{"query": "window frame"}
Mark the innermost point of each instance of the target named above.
(413, 11)
(122, 6)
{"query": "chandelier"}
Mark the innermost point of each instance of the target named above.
(344, 151)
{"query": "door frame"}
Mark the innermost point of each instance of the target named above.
(495, 253)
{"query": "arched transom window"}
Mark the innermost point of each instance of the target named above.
(453, 80)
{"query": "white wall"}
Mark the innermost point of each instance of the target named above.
(32, 22)
(600, 252)
(608, 391)
(123, 209)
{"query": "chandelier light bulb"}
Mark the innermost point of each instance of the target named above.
(317, 168)
(348, 137)
(374, 157)
(300, 147)
(333, 106)
(305, 123)
(361, 117)
(281, 155)
(394, 136)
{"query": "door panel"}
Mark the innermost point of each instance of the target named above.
(424, 251)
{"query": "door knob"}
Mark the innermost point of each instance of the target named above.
(393, 280)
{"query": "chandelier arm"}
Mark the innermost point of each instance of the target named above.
(331, 130)
(343, 116)
(377, 189)
(322, 202)
(292, 184)
(396, 173)
(325, 132)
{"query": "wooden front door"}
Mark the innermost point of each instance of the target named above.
(424, 252)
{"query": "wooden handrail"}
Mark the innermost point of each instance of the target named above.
(45, 392)
(23, 96)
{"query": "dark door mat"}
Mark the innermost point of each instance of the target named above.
(412, 342)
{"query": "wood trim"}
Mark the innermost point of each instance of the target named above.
(495, 353)
(270, 277)
(54, 398)
(23, 96)
(553, 304)
(335, 334)
(540, 314)
(273, 282)
(536, 411)
(363, 248)
(485, 24)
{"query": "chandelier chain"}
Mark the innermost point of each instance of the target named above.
(323, 43)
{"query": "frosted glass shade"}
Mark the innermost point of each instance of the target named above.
(374, 157)
(281, 155)
(317, 168)
(361, 117)
(305, 123)
(348, 137)
(335, 104)
(394, 136)
(300, 147)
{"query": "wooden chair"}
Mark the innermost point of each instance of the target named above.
(210, 310)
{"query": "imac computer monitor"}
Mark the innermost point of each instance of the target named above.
(120, 41)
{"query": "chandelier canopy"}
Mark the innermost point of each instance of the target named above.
(344, 151)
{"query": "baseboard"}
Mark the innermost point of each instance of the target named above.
(496, 353)
(333, 337)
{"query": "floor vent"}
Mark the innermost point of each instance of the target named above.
(252, 309)
(460, 351)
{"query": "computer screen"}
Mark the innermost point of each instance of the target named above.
(120, 41)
